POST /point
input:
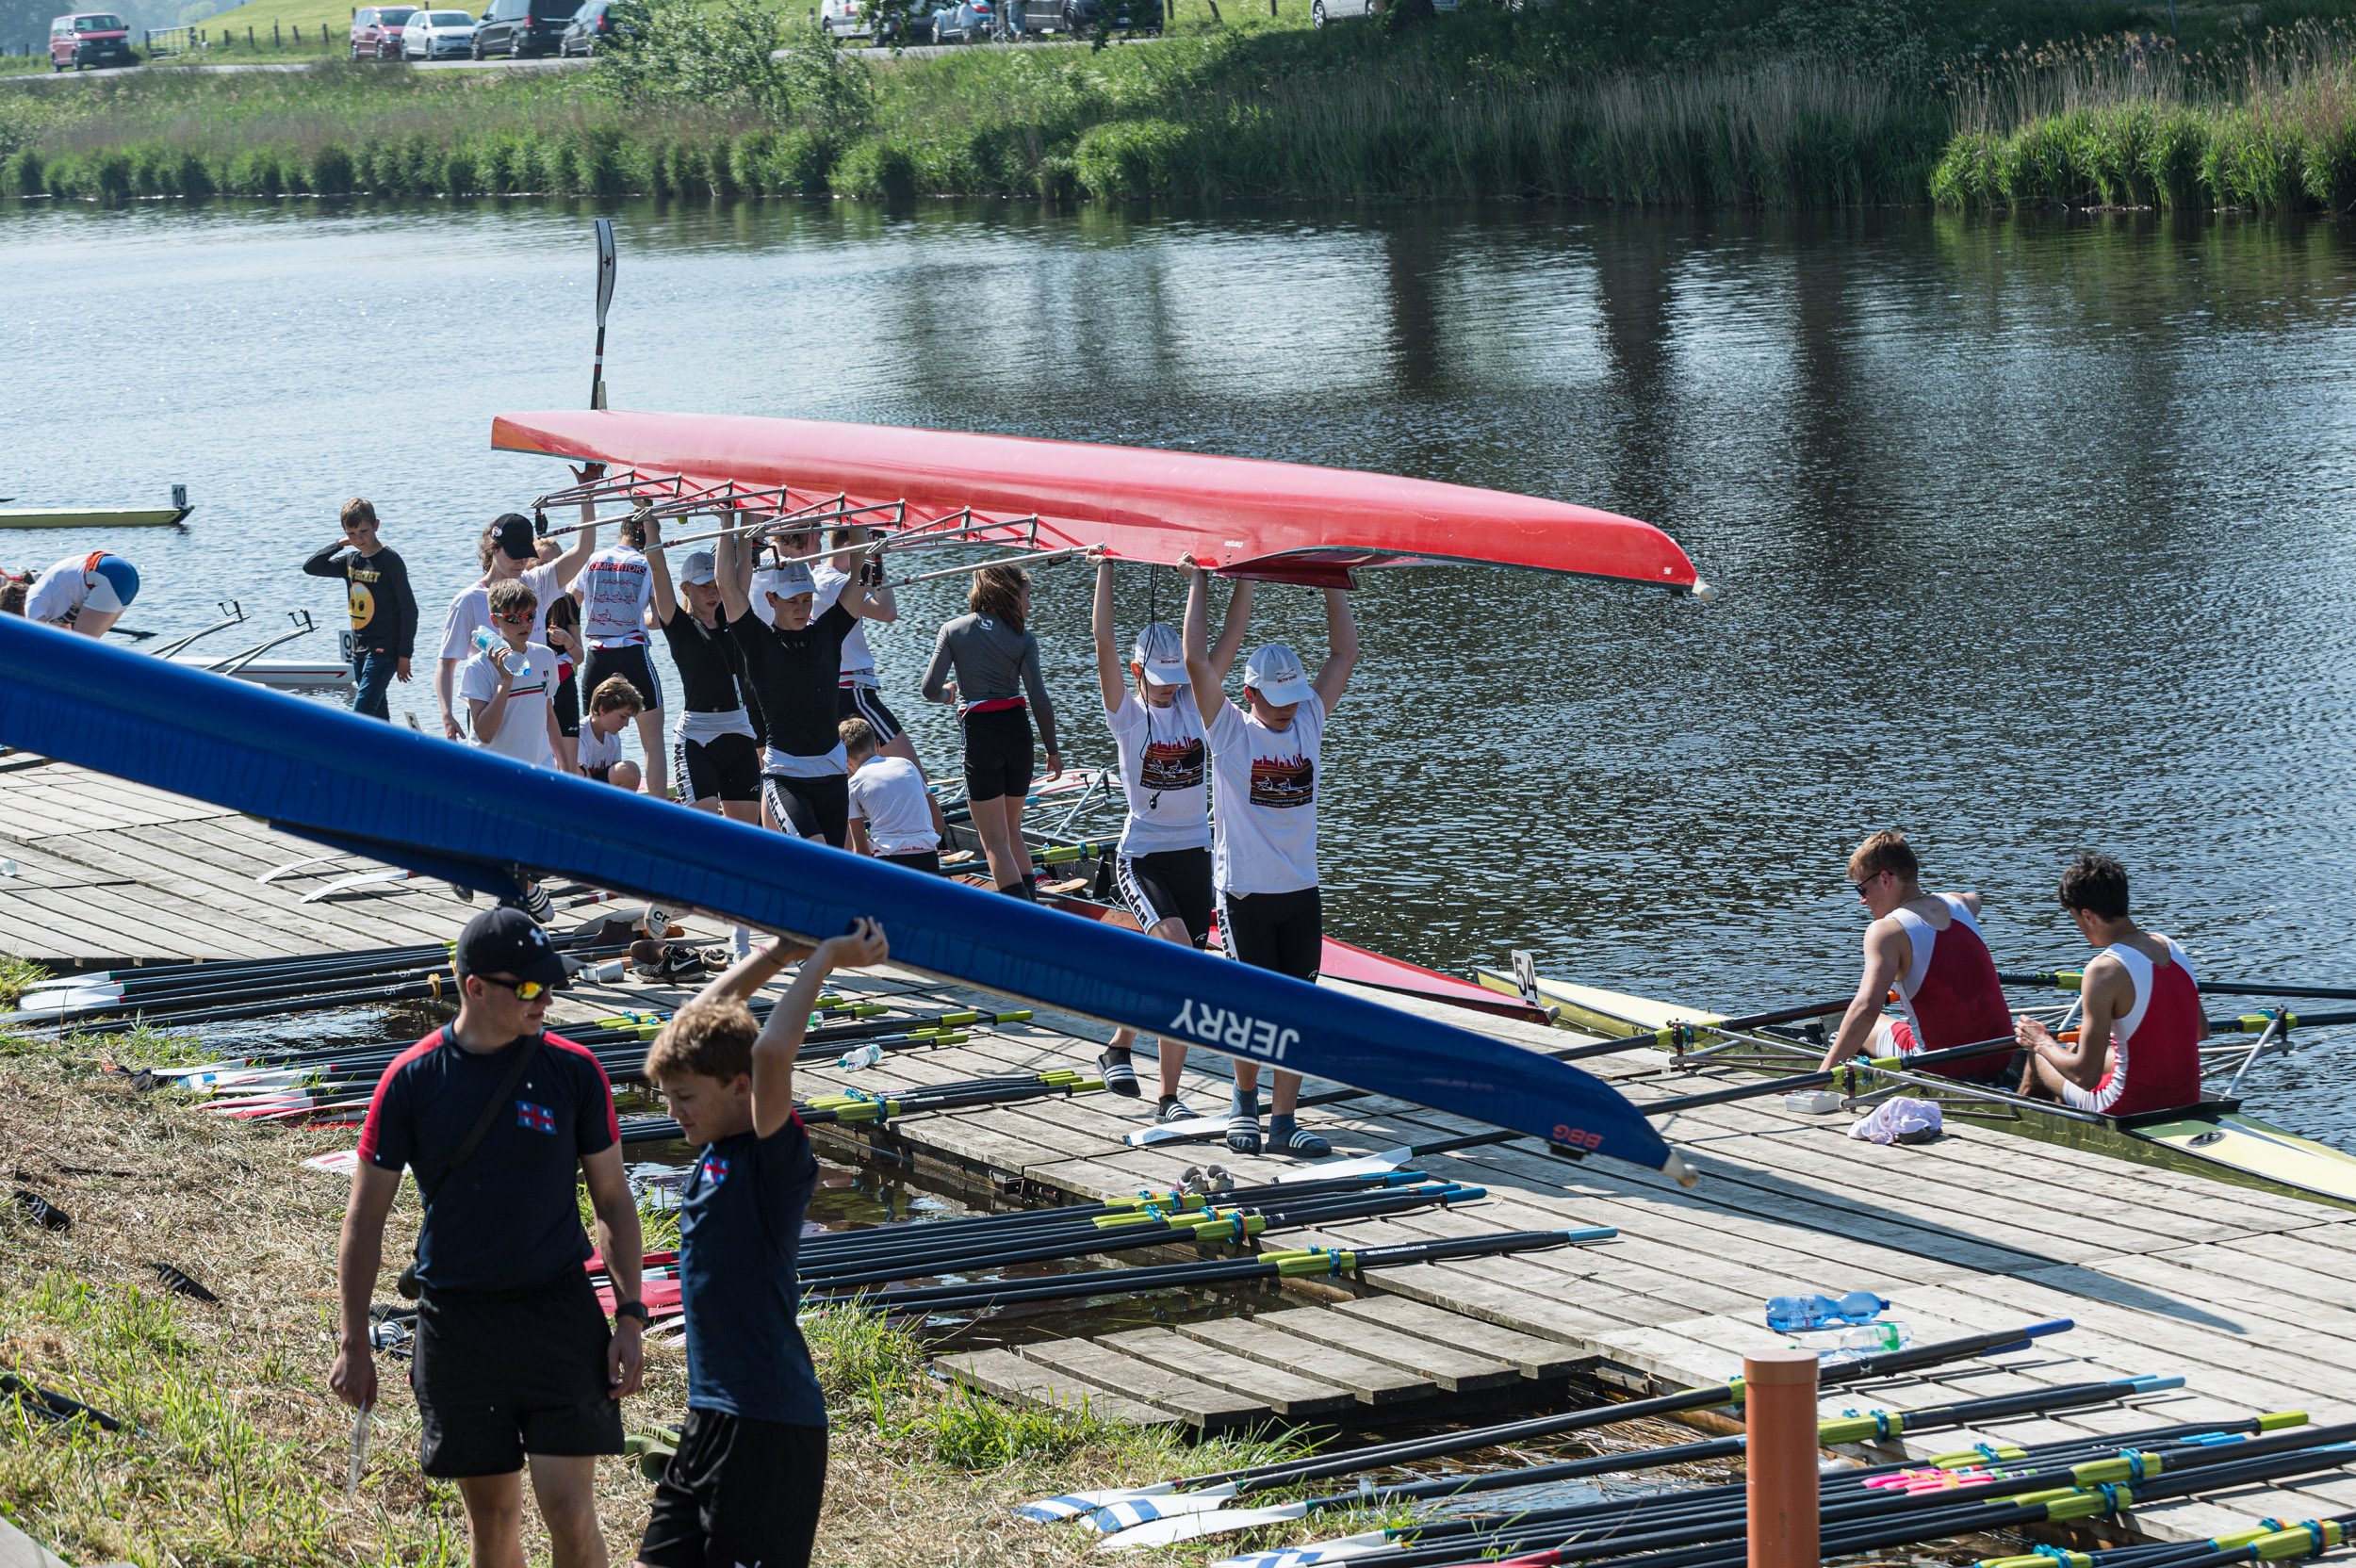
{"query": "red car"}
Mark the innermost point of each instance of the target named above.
(90, 41)
(376, 31)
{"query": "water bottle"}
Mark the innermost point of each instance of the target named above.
(1792, 1315)
(488, 640)
(1873, 1338)
(866, 1055)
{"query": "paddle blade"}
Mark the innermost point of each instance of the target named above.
(605, 267)
(1131, 1513)
(1194, 1526)
(1363, 1164)
(1071, 1505)
(1370, 1544)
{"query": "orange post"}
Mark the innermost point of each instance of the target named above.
(1779, 1418)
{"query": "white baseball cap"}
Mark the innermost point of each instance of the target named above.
(1161, 654)
(791, 580)
(1275, 673)
(700, 566)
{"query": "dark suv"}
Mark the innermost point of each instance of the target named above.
(1077, 17)
(591, 25)
(89, 42)
(518, 28)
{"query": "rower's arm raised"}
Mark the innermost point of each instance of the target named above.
(1341, 649)
(1231, 630)
(732, 573)
(1109, 679)
(568, 565)
(1210, 694)
(781, 1037)
(665, 596)
(1887, 955)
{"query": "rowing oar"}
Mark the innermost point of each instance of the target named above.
(2073, 979)
(1286, 1472)
(1677, 1036)
(2267, 1543)
(1187, 1516)
(1265, 1265)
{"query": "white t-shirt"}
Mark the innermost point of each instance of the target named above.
(523, 732)
(888, 793)
(1267, 838)
(617, 585)
(57, 596)
(858, 659)
(472, 609)
(597, 751)
(1163, 768)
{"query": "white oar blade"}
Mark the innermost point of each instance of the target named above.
(52, 1004)
(1072, 1505)
(1363, 1164)
(1132, 1512)
(1194, 1526)
(1193, 1131)
(1370, 1544)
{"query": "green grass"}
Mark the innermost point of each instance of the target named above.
(16, 974)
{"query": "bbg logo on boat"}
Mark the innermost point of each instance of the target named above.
(1234, 1030)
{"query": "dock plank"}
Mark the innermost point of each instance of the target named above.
(1373, 1383)
(1203, 1405)
(1005, 1375)
(1272, 1388)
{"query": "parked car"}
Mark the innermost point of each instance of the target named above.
(1075, 17)
(902, 22)
(1323, 11)
(520, 28)
(90, 41)
(965, 22)
(437, 35)
(376, 31)
(591, 25)
(842, 19)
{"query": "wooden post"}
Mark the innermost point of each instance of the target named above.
(1779, 1416)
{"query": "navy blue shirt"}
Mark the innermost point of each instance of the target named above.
(740, 1237)
(507, 1220)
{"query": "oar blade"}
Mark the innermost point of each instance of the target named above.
(1370, 1544)
(1364, 1165)
(1071, 1505)
(1194, 1527)
(1131, 1513)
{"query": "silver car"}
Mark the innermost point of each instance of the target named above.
(438, 36)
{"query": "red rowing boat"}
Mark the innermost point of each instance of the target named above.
(1281, 522)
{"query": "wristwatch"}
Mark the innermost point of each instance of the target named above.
(631, 1309)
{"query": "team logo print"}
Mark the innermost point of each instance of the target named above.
(715, 1170)
(1284, 781)
(1170, 765)
(537, 1118)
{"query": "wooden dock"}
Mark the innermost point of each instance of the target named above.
(2247, 1296)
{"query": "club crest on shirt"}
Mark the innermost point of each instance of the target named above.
(1284, 781)
(1170, 764)
(539, 1118)
(715, 1170)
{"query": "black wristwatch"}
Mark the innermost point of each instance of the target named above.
(631, 1309)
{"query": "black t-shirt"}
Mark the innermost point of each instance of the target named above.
(507, 1218)
(740, 1240)
(708, 662)
(383, 610)
(793, 674)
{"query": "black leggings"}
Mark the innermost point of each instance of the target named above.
(810, 807)
(998, 749)
(1285, 932)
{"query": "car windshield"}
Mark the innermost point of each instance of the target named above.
(98, 23)
(448, 19)
(395, 17)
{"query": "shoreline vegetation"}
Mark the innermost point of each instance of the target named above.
(1691, 103)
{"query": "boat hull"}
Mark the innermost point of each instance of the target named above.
(94, 517)
(286, 675)
(2218, 1140)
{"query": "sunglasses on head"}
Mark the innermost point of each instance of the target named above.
(526, 990)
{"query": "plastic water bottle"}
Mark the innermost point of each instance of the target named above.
(487, 640)
(866, 1055)
(1792, 1315)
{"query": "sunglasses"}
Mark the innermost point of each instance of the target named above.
(520, 617)
(1867, 883)
(526, 990)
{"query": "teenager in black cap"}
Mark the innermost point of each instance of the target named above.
(508, 548)
(513, 1359)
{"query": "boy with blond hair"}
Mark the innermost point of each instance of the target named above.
(750, 1471)
(508, 685)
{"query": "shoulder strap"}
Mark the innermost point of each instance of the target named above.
(482, 1127)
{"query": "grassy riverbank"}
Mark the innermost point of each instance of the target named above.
(1694, 104)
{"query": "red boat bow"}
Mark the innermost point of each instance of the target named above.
(1281, 522)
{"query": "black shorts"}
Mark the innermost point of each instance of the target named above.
(738, 1492)
(809, 808)
(1285, 932)
(1166, 885)
(727, 766)
(568, 705)
(866, 702)
(632, 664)
(917, 859)
(522, 1372)
(998, 747)
(603, 773)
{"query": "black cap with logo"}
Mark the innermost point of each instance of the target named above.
(506, 941)
(513, 532)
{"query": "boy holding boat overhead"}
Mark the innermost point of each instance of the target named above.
(1265, 842)
(615, 587)
(1163, 869)
(2138, 1045)
(1927, 948)
(750, 1472)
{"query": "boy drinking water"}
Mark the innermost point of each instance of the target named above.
(746, 1482)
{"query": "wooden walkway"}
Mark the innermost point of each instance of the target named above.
(2251, 1297)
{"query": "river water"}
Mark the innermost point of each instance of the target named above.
(2032, 534)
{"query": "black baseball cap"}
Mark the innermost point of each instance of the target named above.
(513, 532)
(506, 941)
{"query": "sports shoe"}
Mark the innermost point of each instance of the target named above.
(1120, 1074)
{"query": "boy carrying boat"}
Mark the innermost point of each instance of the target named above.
(1927, 948)
(383, 610)
(750, 1472)
(1163, 868)
(858, 692)
(986, 664)
(1265, 843)
(2138, 1045)
(615, 587)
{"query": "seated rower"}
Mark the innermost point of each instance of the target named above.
(611, 707)
(892, 815)
(1927, 948)
(2138, 1045)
